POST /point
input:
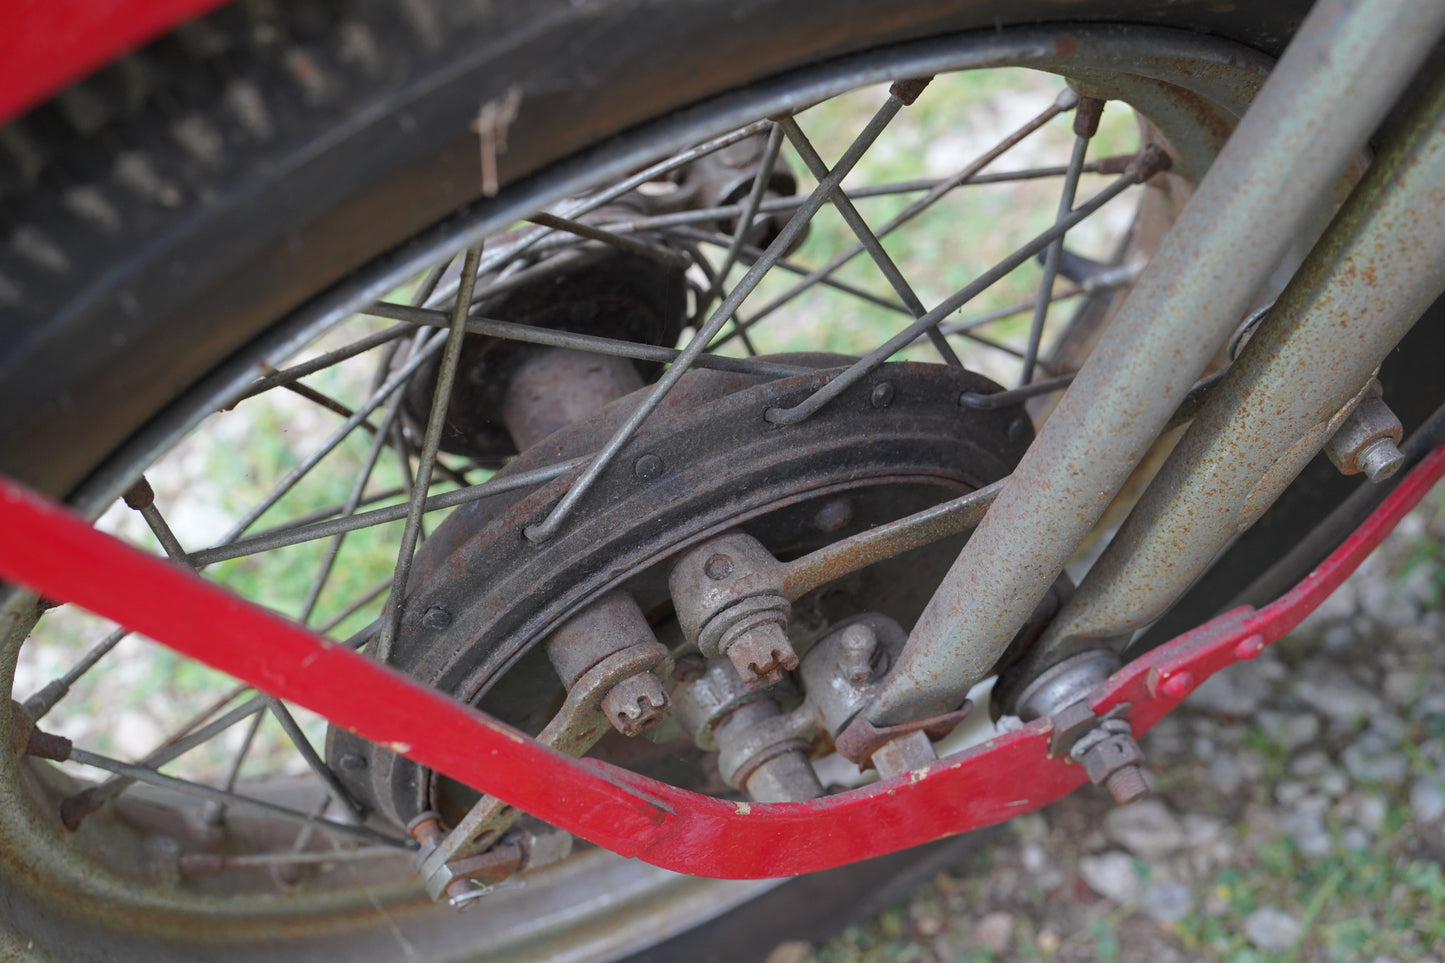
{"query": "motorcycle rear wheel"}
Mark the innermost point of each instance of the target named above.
(107, 374)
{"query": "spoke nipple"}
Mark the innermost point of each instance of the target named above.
(139, 496)
(436, 617)
(882, 395)
(648, 467)
(46, 745)
(907, 91)
(1148, 162)
(1086, 117)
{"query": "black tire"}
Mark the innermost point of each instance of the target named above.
(252, 161)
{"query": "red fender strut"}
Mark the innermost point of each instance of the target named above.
(58, 555)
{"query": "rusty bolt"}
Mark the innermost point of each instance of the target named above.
(648, 467)
(1380, 460)
(761, 654)
(859, 642)
(1114, 762)
(436, 617)
(635, 704)
(1127, 785)
(718, 567)
(835, 514)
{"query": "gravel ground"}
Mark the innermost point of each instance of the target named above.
(1296, 812)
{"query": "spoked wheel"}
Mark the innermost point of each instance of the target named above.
(454, 489)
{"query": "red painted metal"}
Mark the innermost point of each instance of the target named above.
(47, 44)
(60, 556)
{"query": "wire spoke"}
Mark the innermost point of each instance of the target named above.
(1065, 101)
(866, 238)
(749, 211)
(145, 774)
(749, 282)
(446, 374)
(280, 538)
(653, 252)
(1086, 122)
(288, 482)
(1108, 280)
(874, 358)
(285, 376)
(586, 342)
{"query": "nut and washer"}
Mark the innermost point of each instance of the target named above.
(728, 594)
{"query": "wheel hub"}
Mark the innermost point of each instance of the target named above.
(481, 596)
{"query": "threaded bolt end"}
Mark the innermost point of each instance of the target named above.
(1127, 785)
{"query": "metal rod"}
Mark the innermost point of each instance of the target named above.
(288, 482)
(283, 376)
(431, 444)
(867, 239)
(1110, 280)
(1280, 402)
(865, 365)
(748, 214)
(280, 538)
(774, 205)
(653, 252)
(1052, 254)
(1312, 115)
(353, 500)
(508, 252)
(584, 342)
(882, 542)
(185, 787)
(783, 264)
(790, 232)
(1065, 101)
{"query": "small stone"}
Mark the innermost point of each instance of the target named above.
(1309, 764)
(1427, 799)
(1112, 875)
(1269, 928)
(793, 951)
(1201, 830)
(1290, 793)
(1292, 730)
(1353, 837)
(1148, 829)
(1307, 827)
(994, 932)
(1166, 902)
(1224, 774)
(1334, 694)
(1048, 942)
(1034, 857)
(1372, 759)
(1401, 686)
(1334, 782)
(1370, 813)
(1237, 691)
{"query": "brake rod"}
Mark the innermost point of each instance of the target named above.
(57, 554)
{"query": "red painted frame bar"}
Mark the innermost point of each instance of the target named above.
(61, 557)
